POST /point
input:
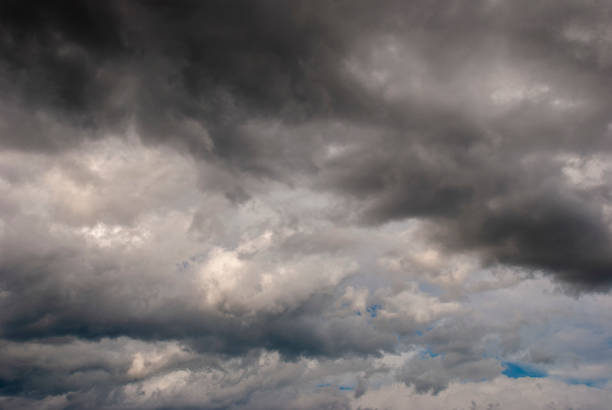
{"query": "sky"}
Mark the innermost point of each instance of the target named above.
(306, 204)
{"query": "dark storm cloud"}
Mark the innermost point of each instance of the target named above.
(164, 67)
(490, 120)
(197, 76)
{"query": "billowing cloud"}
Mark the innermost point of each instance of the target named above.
(305, 204)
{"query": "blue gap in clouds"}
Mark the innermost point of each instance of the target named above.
(427, 353)
(586, 382)
(343, 388)
(373, 310)
(518, 370)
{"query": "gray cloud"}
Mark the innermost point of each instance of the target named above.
(299, 205)
(453, 131)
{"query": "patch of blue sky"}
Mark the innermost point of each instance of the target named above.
(517, 370)
(427, 353)
(589, 383)
(599, 383)
(373, 309)
(341, 387)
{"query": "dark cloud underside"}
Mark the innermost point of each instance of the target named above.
(207, 184)
(191, 75)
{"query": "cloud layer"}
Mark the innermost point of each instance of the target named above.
(305, 204)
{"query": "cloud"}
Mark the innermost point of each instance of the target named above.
(503, 393)
(235, 87)
(305, 205)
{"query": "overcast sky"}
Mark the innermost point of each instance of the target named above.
(306, 204)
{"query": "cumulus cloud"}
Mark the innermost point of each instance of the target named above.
(305, 204)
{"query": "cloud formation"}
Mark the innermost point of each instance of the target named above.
(304, 204)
